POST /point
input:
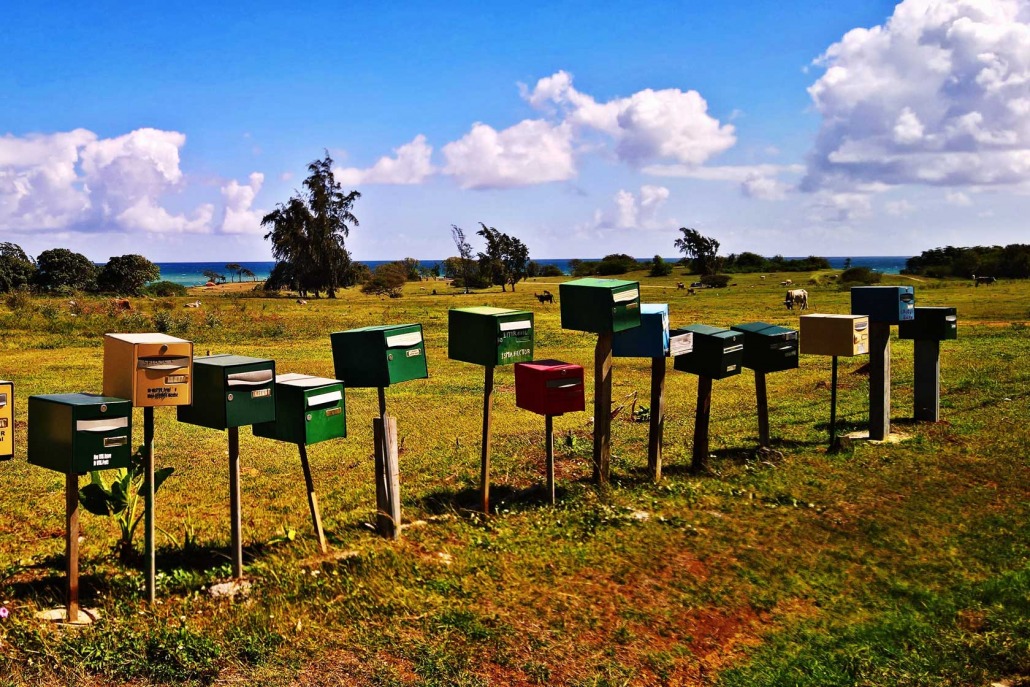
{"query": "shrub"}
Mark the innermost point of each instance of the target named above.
(860, 275)
(387, 280)
(551, 271)
(716, 281)
(164, 289)
(660, 268)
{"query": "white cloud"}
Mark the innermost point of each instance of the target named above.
(239, 218)
(411, 165)
(827, 206)
(531, 152)
(631, 212)
(938, 95)
(899, 208)
(756, 181)
(958, 198)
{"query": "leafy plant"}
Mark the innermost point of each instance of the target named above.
(121, 498)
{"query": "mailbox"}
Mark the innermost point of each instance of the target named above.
(599, 305)
(148, 369)
(888, 304)
(844, 335)
(651, 338)
(549, 387)
(379, 356)
(230, 391)
(490, 336)
(717, 353)
(931, 324)
(768, 348)
(307, 410)
(6, 420)
(76, 433)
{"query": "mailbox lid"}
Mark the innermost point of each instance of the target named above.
(599, 305)
(839, 335)
(888, 304)
(767, 347)
(650, 339)
(490, 336)
(6, 420)
(932, 323)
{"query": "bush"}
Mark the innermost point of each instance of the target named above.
(618, 263)
(551, 271)
(660, 268)
(387, 280)
(860, 275)
(164, 289)
(716, 281)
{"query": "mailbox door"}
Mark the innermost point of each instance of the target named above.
(514, 336)
(249, 394)
(324, 414)
(405, 354)
(730, 356)
(163, 375)
(859, 337)
(102, 441)
(907, 304)
(625, 307)
(564, 393)
(650, 339)
(6, 420)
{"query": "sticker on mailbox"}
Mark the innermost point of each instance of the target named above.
(260, 393)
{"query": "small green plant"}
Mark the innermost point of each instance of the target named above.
(642, 414)
(121, 498)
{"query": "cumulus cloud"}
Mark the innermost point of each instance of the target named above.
(958, 198)
(410, 165)
(239, 218)
(78, 181)
(938, 95)
(633, 212)
(533, 151)
(756, 181)
(828, 206)
(899, 208)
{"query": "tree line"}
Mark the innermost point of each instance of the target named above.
(61, 271)
(1008, 262)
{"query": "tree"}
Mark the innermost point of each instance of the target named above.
(61, 270)
(505, 259)
(234, 268)
(387, 280)
(214, 276)
(660, 268)
(411, 267)
(15, 267)
(847, 263)
(465, 264)
(127, 275)
(702, 250)
(246, 272)
(308, 232)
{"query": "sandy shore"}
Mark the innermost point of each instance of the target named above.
(228, 287)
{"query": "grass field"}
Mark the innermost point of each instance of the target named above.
(899, 564)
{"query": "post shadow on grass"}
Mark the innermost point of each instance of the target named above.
(467, 503)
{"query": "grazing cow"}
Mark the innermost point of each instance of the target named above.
(761, 276)
(798, 297)
(691, 292)
(788, 282)
(680, 285)
(986, 281)
(545, 297)
(194, 304)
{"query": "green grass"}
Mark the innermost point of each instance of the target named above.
(882, 565)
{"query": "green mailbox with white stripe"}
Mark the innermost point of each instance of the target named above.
(308, 410)
(230, 391)
(490, 336)
(599, 305)
(76, 433)
(379, 356)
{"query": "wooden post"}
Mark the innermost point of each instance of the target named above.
(382, 402)
(234, 503)
(71, 549)
(148, 503)
(927, 380)
(834, 444)
(657, 427)
(879, 380)
(602, 407)
(388, 488)
(701, 420)
(549, 444)
(316, 515)
(484, 467)
(763, 409)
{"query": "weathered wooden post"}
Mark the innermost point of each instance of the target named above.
(489, 337)
(928, 329)
(834, 441)
(388, 488)
(235, 505)
(603, 307)
(767, 348)
(71, 545)
(656, 422)
(702, 420)
(834, 335)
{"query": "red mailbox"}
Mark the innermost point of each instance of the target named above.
(549, 387)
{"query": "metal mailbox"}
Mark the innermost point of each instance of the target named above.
(230, 391)
(6, 420)
(841, 335)
(307, 410)
(889, 304)
(651, 339)
(717, 353)
(379, 356)
(490, 336)
(930, 324)
(148, 369)
(767, 347)
(549, 387)
(76, 433)
(599, 305)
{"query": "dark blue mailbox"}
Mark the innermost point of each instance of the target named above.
(887, 304)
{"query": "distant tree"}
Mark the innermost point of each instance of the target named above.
(660, 268)
(860, 275)
(506, 257)
(234, 268)
(387, 280)
(214, 276)
(247, 272)
(411, 266)
(127, 275)
(551, 271)
(582, 268)
(15, 267)
(847, 263)
(466, 266)
(164, 289)
(702, 250)
(435, 270)
(60, 270)
(616, 263)
(308, 232)
(532, 269)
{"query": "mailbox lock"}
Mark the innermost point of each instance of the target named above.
(389, 356)
(103, 408)
(308, 416)
(229, 397)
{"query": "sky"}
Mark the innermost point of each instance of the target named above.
(798, 127)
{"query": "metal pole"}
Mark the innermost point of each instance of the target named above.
(71, 549)
(484, 470)
(316, 515)
(148, 503)
(234, 503)
(657, 426)
(602, 408)
(549, 444)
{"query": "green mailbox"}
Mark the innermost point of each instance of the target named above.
(76, 433)
(379, 356)
(307, 410)
(490, 336)
(599, 305)
(230, 391)
(767, 347)
(718, 353)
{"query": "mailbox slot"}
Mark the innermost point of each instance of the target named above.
(163, 363)
(324, 399)
(3, 400)
(250, 378)
(105, 425)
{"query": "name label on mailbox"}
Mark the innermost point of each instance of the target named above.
(414, 353)
(260, 393)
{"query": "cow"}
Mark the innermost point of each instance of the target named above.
(194, 304)
(545, 297)
(680, 285)
(798, 297)
(788, 282)
(986, 281)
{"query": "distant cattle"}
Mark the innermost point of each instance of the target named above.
(680, 285)
(798, 297)
(696, 285)
(986, 281)
(787, 282)
(194, 304)
(545, 297)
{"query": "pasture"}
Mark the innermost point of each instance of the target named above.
(888, 564)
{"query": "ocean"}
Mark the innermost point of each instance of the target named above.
(192, 273)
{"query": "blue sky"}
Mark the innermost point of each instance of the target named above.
(845, 128)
